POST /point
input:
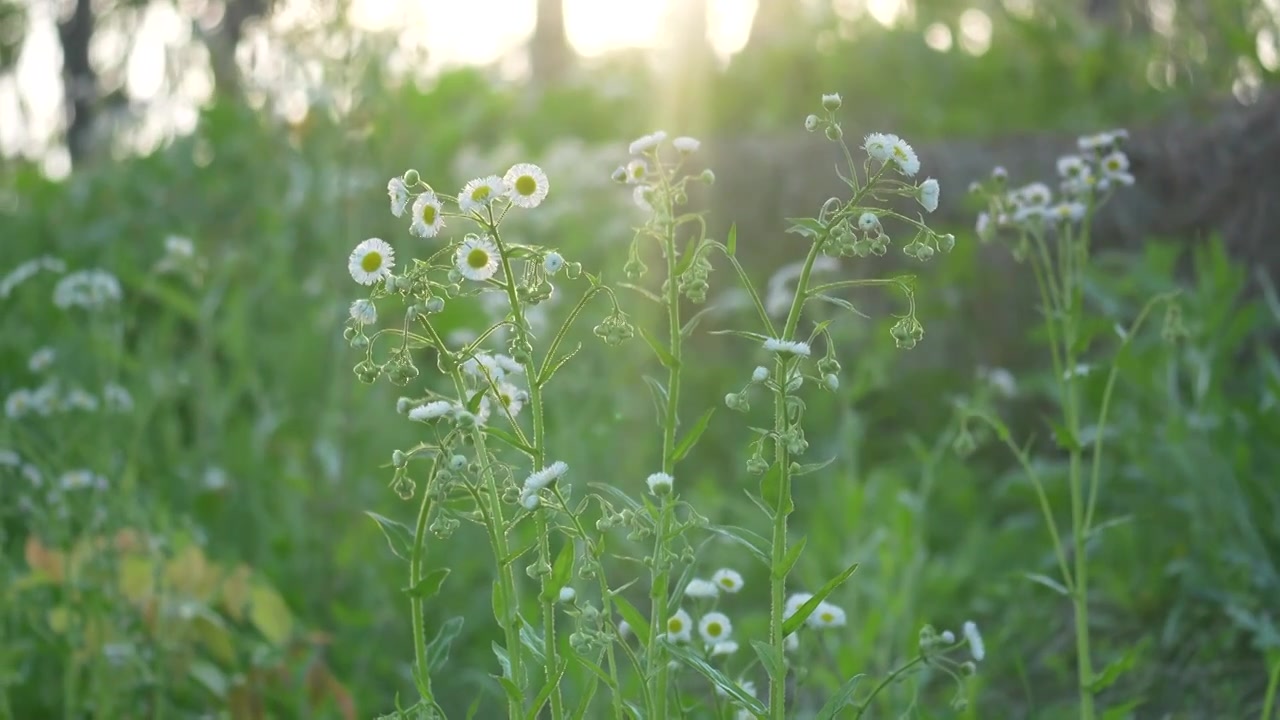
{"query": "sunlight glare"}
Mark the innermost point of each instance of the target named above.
(938, 37)
(975, 31)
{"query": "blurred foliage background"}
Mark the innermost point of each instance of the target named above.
(203, 552)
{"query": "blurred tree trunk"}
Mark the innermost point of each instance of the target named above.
(550, 56)
(769, 26)
(689, 70)
(79, 80)
(224, 40)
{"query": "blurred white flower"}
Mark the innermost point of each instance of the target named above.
(727, 580)
(701, 589)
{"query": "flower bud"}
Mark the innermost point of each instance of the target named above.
(831, 102)
(811, 123)
(411, 177)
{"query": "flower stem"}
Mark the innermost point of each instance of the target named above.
(422, 670)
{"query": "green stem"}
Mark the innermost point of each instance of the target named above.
(888, 680)
(661, 577)
(1269, 702)
(422, 673)
(549, 595)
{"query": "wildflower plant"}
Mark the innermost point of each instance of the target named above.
(486, 457)
(1052, 233)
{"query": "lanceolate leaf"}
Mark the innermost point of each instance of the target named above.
(793, 623)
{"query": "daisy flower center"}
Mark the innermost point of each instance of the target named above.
(480, 194)
(675, 625)
(478, 258)
(827, 617)
(428, 214)
(526, 185)
(714, 629)
(371, 261)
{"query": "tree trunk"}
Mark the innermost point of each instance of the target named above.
(224, 40)
(550, 57)
(79, 80)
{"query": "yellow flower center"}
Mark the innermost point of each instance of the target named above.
(478, 258)
(526, 185)
(714, 629)
(371, 261)
(726, 582)
(480, 194)
(675, 625)
(827, 617)
(428, 214)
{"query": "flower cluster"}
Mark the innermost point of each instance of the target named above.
(1084, 178)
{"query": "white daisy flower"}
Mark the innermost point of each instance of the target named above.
(483, 365)
(363, 312)
(1028, 213)
(477, 258)
(1114, 162)
(41, 359)
(546, 475)
(1099, 141)
(645, 143)
(427, 216)
(18, 404)
(879, 146)
(727, 647)
(701, 589)
(984, 227)
(947, 637)
(527, 185)
(1069, 211)
(679, 627)
(82, 479)
(727, 580)
(567, 594)
(928, 194)
(660, 483)
(371, 261)
(976, 646)
(746, 686)
(791, 643)
(686, 144)
(116, 398)
(512, 398)
(1070, 166)
(79, 399)
(432, 410)
(905, 157)
(1036, 193)
(715, 627)
(399, 195)
(788, 347)
(552, 262)
(1120, 178)
(481, 192)
(624, 630)
(507, 364)
(10, 458)
(637, 171)
(826, 615)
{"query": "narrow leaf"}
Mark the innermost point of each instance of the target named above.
(731, 244)
(509, 439)
(691, 438)
(398, 536)
(839, 700)
(797, 469)
(840, 302)
(429, 585)
(793, 623)
(744, 537)
(438, 648)
(717, 678)
(659, 394)
(545, 693)
(1048, 582)
(1116, 668)
(741, 333)
(789, 561)
(639, 627)
(664, 356)
(769, 658)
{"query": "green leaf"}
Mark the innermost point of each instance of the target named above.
(210, 677)
(793, 623)
(769, 658)
(438, 648)
(692, 322)
(741, 333)
(807, 227)
(550, 370)
(644, 292)
(473, 403)
(545, 693)
(691, 438)
(839, 700)
(731, 244)
(515, 554)
(514, 696)
(498, 604)
(771, 488)
(509, 439)
(840, 302)
(797, 469)
(533, 641)
(789, 561)
(1116, 668)
(504, 661)
(748, 539)
(398, 536)
(1067, 440)
(664, 356)
(429, 585)
(561, 573)
(687, 257)
(1048, 582)
(717, 678)
(639, 627)
(659, 394)
(617, 494)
